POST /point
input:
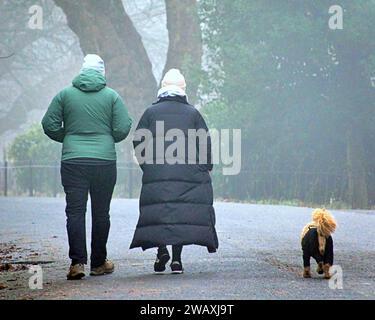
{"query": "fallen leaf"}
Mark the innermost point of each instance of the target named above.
(3, 286)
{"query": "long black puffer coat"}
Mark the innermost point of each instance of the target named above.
(176, 199)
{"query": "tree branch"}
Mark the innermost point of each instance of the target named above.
(185, 41)
(103, 27)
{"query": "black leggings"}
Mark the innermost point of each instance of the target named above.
(176, 252)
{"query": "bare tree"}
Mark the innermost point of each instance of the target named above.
(31, 60)
(115, 38)
(185, 41)
(103, 27)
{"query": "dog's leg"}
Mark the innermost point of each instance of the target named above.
(306, 265)
(319, 269)
(306, 272)
(326, 268)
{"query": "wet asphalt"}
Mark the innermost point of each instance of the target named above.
(259, 256)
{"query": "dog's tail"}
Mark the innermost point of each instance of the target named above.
(324, 221)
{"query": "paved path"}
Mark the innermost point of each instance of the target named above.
(259, 255)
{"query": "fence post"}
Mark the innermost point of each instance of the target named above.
(5, 178)
(31, 182)
(5, 172)
(55, 168)
(130, 181)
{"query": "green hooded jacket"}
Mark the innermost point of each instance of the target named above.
(88, 118)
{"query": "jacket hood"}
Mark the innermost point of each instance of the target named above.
(89, 80)
(181, 99)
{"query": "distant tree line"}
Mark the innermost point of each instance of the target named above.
(301, 93)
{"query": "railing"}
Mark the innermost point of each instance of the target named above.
(294, 187)
(27, 178)
(43, 179)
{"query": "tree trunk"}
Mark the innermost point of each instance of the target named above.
(352, 95)
(104, 28)
(357, 182)
(185, 42)
(31, 99)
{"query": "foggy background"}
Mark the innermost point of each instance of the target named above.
(301, 92)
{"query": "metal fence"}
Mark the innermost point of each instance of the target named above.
(43, 179)
(295, 187)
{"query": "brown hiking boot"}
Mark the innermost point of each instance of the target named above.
(106, 268)
(306, 272)
(326, 268)
(76, 272)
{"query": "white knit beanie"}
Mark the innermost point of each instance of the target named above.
(174, 78)
(93, 61)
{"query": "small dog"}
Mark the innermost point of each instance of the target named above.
(317, 242)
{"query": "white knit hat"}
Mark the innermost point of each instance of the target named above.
(174, 78)
(93, 61)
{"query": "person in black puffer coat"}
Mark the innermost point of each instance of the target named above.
(176, 202)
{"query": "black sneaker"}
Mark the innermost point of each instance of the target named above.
(177, 268)
(160, 262)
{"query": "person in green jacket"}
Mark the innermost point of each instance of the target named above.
(88, 118)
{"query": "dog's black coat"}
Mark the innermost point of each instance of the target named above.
(310, 248)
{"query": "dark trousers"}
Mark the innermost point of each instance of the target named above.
(78, 181)
(176, 252)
